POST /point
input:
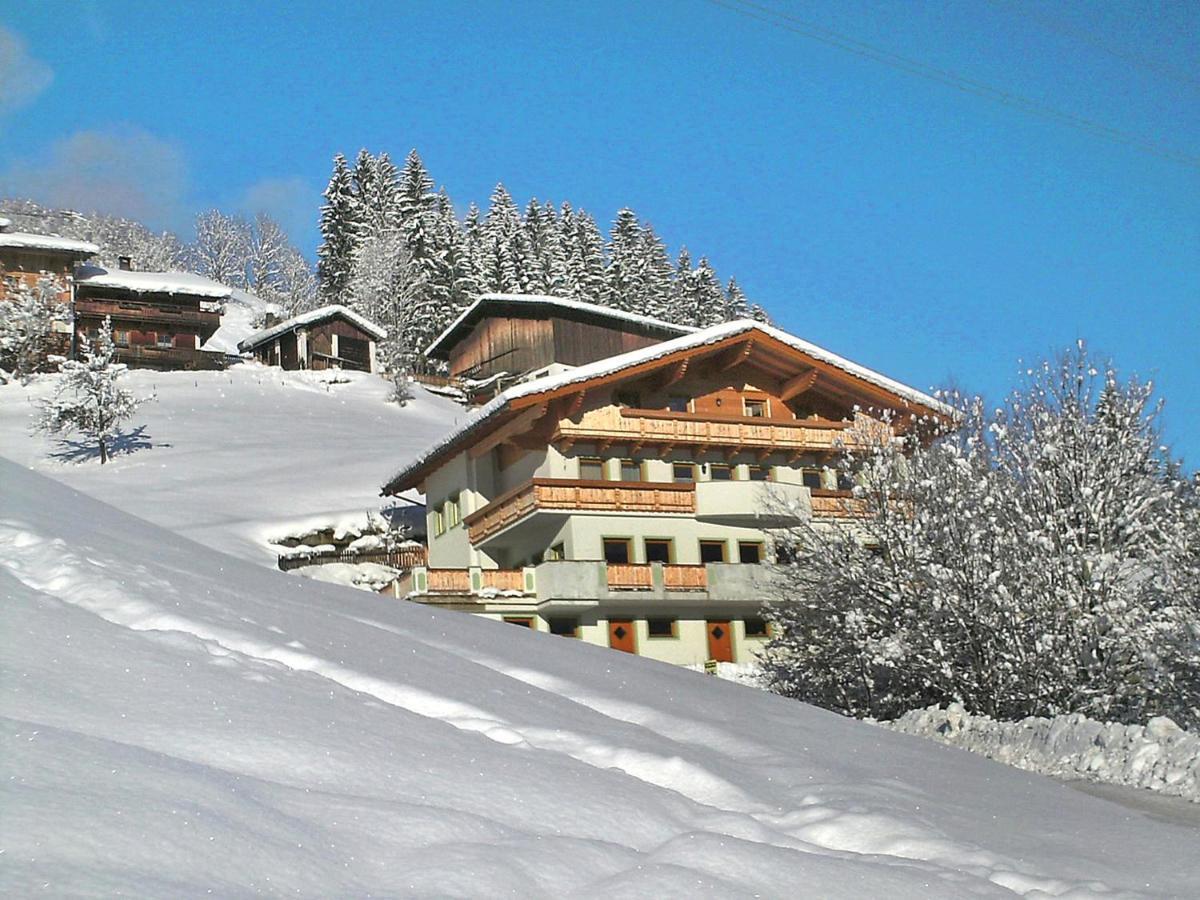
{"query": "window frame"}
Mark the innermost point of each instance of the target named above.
(756, 635)
(439, 521)
(725, 467)
(673, 627)
(811, 471)
(751, 469)
(590, 460)
(673, 401)
(555, 622)
(523, 621)
(724, 545)
(677, 480)
(627, 541)
(760, 551)
(622, 464)
(555, 552)
(670, 542)
(453, 507)
(760, 403)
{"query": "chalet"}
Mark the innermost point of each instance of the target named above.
(160, 320)
(28, 258)
(505, 338)
(628, 501)
(332, 337)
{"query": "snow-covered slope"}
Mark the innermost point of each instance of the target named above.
(235, 458)
(178, 721)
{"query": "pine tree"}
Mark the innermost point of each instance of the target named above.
(585, 257)
(27, 319)
(657, 275)
(339, 233)
(506, 254)
(624, 272)
(462, 277)
(88, 400)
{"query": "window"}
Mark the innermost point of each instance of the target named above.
(718, 472)
(755, 409)
(811, 478)
(439, 522)
(555, 552)
(658, 550)
(120, 337)
(523, 621)
(757, 627)
(629, 398)
(678, 403)
(712, 551)
(683, 472)
(616, 550)
(453, 513)
(564, 627)
(163, 341)
(757, 473)
(591, 469)
(750, 552)
(662, 628)
(631, 470)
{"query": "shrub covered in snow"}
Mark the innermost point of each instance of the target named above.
(1042, 559)
(1160, 755)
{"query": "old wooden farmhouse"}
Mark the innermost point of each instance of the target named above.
(623, 490)
(160, 320)
(329, 337)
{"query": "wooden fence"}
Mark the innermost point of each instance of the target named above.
(404, 558)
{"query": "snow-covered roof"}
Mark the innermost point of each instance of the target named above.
(4, 223)
(542, 302)
(312, 317)
(24, 241)
(153, 282)
(614, 364)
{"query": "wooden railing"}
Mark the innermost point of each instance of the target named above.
(450, 580)
(649, 427)
(827, 504)
(147, 313)
(504, 579)
(685, 578)
(629, 577)
(569, 495)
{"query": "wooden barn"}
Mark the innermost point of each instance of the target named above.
(332, 337)
(503, 338)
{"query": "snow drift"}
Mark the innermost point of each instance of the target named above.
(1159, 755)
(179, 721)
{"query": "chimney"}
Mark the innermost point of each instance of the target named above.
(125, 263)
(271, 320)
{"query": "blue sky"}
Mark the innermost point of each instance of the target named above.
(923, 230)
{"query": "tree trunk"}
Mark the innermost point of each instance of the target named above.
(103, 452)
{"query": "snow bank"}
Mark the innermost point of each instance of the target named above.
(179, 722)
(1160, 755)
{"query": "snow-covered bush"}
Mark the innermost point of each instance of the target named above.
(88, 400)
(27, 319)
(1042, 559)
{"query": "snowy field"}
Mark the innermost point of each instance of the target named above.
(179, 721)
(236, 458)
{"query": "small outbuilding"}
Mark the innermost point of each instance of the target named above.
(332, 337)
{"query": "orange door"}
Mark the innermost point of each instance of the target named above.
(720, 641)
(620, 635)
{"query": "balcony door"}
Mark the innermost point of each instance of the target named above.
(720, 640)
(621, 636)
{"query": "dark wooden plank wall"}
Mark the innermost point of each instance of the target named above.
(578, 343)
(504, 345)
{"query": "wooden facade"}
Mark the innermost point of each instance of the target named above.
(28, 266)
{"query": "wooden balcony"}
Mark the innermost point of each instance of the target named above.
(629, 577)
(564, 495)
(147, 316)
(640, 428)
(828, 504)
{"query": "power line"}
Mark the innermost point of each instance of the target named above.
(948, 78)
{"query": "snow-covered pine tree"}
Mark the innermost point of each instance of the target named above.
(506, 253)
(460, 271)
(27, 319)
(585, 256)
(736, 304)
(339, 233)
(624, 273)
(549, 269)
(222, 247)
(87, 400)
(657, 274)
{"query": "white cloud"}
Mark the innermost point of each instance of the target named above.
(124, 171)
(22, 77)
(292, 202)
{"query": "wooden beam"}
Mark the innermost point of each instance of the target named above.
(574, 405)
(735, 356)
(794, 387)
(732, 452)
(516, 427)
(764, 453)
(672, 374)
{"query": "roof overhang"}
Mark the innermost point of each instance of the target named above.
(783, 356)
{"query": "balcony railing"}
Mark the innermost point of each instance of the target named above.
(827, 504)
(650, 427)
(578, 496)
(147, 314)
(629, 577)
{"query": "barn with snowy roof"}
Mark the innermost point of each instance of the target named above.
(331, 337)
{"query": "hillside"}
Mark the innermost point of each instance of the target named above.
(233, 459)
(181, 721)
